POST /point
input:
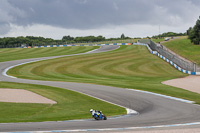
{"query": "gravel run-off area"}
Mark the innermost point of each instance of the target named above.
(191, 83)
(22, 96)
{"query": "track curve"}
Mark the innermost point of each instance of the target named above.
(154, 110)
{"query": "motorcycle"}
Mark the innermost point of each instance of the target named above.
(98, 115)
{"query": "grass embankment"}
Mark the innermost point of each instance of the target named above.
(158, 40)
(185, 48)
(127, 67)
(70, 105)
(8, 54)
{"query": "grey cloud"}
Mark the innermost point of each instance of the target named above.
(4, 28)
(9, 13)
(89, 14)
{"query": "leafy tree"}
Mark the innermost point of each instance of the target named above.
(8, 42)
(67, 38)
(169, 34)
(122, 36)
(89, 39)
(194, 33)
(188, 31)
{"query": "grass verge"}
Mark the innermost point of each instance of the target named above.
(158, 40)
(127, 67)
(185, 48)
(8, 54)
(70, 105)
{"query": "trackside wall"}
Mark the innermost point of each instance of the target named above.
(165, 52)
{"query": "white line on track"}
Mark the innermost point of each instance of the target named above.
(170, 97)
(113, 129)
(129, 111)
(8, 68)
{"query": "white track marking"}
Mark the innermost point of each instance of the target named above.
(170, 97)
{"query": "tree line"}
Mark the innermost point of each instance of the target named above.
(9, 42)
(89, 39)
(86, 39)
(169, 34)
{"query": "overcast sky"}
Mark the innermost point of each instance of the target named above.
(110, 18)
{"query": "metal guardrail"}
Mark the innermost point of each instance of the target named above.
(178, 60)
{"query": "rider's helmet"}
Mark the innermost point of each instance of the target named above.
(91, 110)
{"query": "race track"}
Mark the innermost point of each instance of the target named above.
(153, 110)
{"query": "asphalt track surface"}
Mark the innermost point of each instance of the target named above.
(153, 110)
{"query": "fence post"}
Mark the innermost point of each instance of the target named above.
(195, 67)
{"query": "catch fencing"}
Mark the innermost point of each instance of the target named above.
(178, 60)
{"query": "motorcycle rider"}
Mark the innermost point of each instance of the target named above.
(96, 113)
(92, 112)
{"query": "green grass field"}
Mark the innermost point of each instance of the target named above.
(70, 105)
(127, 67)
(8, 54)
(185, 48)
(74, 106)
(158, 40)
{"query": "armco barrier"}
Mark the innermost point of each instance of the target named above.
(180, 61)
(167, 60)
(177, 67)
(138, 43)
